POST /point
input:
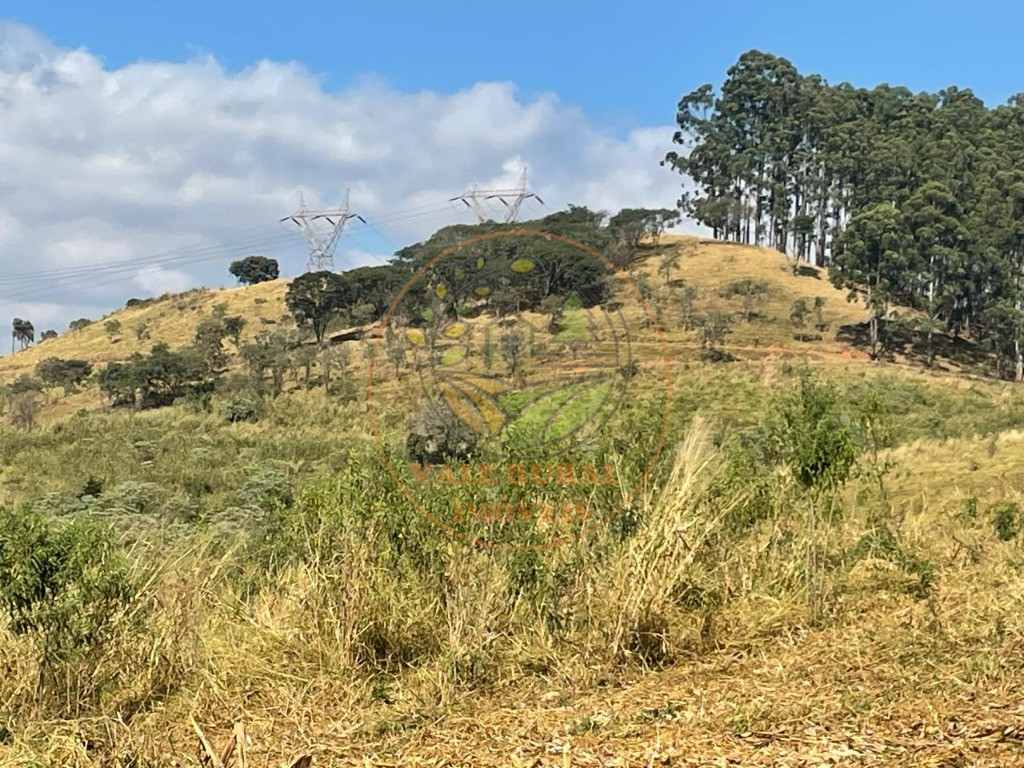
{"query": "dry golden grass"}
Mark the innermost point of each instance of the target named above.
(171, 321)
(893, 678)
(712, 265)
(709, 265)
(706, 264)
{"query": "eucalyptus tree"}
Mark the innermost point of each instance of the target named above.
(838, 175)
(871, 255)
(933, 219)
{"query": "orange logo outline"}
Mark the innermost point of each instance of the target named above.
(664, 355)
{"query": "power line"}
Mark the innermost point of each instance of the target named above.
(254, 241)
(128, 267)
(40, 283)
(115, 274)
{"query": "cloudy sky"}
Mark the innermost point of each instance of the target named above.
(175, 169)
(172, 137)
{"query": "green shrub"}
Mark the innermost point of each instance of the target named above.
(630, 369)
(880, 541)
(969, 511)
(238, 409)
(437, 436)
(91, 487)
(267, 488)
(64, 582)
(58, 505)
(133, 498)
(1006, 519)
(69, 374)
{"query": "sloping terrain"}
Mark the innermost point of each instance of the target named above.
(170, 320)
(360, 660)
(709, 266)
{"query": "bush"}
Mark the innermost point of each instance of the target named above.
(630, 369)
(24, 410)
(799, 312)
(157, 379)
(238, 409)
(714, 327)
(133, 497)
(1006, 519)
(69, 374)
(715, 355)
(66, 583)
(91, 487)
(437, 436)
(968, 512)
(266, 488)
(752, 292)
(881, 542)
(24, 383)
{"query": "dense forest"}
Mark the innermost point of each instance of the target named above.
(912, 198)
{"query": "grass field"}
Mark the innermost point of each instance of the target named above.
(285, 581)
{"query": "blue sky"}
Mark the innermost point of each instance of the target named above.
(626, 63)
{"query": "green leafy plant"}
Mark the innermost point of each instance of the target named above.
(238, 409)
(814, 443)
(1007, 520)
(66, 583)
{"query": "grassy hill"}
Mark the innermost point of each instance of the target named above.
(710, 266)
(279, 576)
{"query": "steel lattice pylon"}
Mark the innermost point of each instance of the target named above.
(512, 199)
(323, 240)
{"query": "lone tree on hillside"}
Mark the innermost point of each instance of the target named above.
(234, 326)
(22, 332)
(750, 291)
(315, 297)
(113, 328)
(254, 269)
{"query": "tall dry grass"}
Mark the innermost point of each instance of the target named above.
(373, 609)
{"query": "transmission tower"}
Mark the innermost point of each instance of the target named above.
(323, 231)
(512, 199)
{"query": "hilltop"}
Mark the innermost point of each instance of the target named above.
(756, 289)
(762, 340)
(709, 266)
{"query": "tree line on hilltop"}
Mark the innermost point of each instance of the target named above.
(914, 198)
(500, 270)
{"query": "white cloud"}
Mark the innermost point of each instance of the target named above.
(100, 165)
(158, 280)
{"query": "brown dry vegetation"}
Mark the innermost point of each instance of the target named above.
(358, 658)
